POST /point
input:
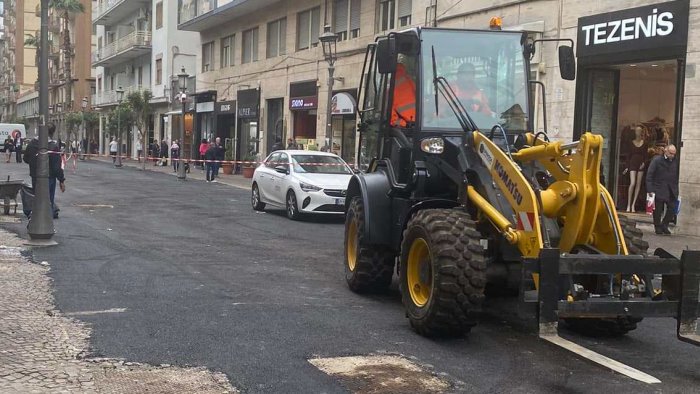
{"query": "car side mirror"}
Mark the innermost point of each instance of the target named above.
(567, 63)
(282, 169)
(355, 170)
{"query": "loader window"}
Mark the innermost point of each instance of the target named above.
(487, 72)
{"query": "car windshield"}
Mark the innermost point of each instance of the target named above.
(485, 69)
(318, 164)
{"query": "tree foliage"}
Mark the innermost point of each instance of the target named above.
(73, 121)
(140, 102)
(121, 118)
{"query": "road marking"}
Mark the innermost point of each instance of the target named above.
(381, 374)
(93, 206)
(600, 359)
(90, 313)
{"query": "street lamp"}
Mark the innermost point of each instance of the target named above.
(120, 96)
(328, 42)
(83, 106)
(182, 81)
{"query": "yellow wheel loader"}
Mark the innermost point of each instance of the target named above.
(455, 187)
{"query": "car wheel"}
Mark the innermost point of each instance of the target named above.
(292, 206)
(258, 205)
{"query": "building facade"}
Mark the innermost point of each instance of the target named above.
(139, 48)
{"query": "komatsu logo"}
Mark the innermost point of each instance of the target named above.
(509, 184)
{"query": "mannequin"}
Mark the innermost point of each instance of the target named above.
(635, 165)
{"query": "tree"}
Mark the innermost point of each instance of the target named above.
(140, 103)
(66, 8)
(119, 119)
(92, 123)
(73, 121)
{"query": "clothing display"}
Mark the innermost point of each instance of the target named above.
(637, 156)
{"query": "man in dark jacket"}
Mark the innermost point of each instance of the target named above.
(30, 157)
(220, 156)
(55, 170)
(210, 157)
(662, 184)
(18, 147)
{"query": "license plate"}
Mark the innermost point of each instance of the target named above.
(339, 201)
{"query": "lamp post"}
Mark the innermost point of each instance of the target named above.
(182, 80)
(120, 96)
(83, 106)
(328, 41)
(40, 227)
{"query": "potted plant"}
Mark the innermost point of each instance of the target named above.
(227, 167)
(248, 167)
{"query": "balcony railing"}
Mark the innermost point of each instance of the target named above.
(190, 9)
(137, 38)
(109, 97)
(104, 6)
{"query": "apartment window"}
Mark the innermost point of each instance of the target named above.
(208, 57)
(227, 51)
(276, 38)
(393, 14)
(159, 71)
(346, 19)
(250, 46)
(159, 15)
(308, 27)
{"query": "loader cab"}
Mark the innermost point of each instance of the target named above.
(488, 71)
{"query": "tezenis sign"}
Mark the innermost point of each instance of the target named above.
(655, 26)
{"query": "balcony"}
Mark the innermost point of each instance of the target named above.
(109, 97)
(133, 45)
(109, 12)
(200, 15)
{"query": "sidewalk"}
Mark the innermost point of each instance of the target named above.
(197, 174)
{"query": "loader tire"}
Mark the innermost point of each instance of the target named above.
(623, 324)
(633, 236)
(442, 272)
(368, 268)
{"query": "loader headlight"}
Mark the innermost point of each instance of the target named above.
(432, 145)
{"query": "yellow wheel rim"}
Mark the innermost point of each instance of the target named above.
(352, 245)
(419, 272)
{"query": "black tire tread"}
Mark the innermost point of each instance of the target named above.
(460, 266)
(261, 205)
(374, 267)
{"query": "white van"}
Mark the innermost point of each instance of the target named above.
(11, 129)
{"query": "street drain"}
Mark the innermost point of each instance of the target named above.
(381, 374)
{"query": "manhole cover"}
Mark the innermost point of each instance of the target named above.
(381, 374)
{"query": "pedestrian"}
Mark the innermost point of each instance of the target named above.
(113, 147)
(55, 170)
(662, 186)
(203, 147)
(139, 150)
(153, 151)
(164, 153)
(175, 155)
(278, 145)
(18, 146)
(219, 157)
(30, 157)
(8, 148)
(210, 160)
(291, 144)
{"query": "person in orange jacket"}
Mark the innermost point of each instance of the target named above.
(403, 109)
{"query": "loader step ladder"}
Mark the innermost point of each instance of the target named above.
(551, 264)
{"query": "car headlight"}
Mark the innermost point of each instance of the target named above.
(308, 188)
(432, 145)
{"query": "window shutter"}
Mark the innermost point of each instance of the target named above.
(404, 8)
(283, 36)
(273, 35)
(303, 30)
(354, 14)
(255, 44)
(315, 24)
(340, 20)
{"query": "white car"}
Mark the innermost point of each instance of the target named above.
(301, 182)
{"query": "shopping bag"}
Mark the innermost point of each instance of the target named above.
(651, 204)
(678, 206)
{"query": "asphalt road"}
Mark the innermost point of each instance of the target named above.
(206, 281)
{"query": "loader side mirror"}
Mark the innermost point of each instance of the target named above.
(567, 63)
(387, 55)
